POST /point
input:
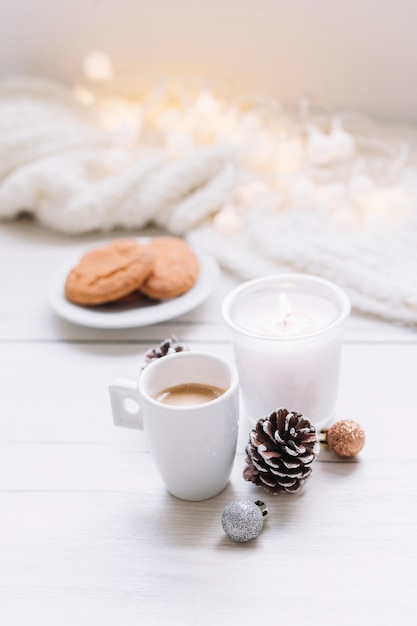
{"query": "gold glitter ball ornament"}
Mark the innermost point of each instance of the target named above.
(346, 438)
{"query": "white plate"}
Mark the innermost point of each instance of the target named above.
(142, 313)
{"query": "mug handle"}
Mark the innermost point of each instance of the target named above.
(126, 414)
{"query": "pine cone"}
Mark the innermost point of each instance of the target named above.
(280, 452)
(168, 346)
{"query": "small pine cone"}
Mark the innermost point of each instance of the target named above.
(280, 452)
(168, 346)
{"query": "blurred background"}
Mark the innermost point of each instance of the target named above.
(352, 55)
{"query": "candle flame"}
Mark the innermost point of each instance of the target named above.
(284, 305)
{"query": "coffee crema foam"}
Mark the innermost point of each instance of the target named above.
(189, 394)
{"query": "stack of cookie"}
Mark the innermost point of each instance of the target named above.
(163, 268)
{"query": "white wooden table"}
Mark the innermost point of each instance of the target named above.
(88, 533)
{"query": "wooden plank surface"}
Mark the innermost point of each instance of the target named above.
(88, 533)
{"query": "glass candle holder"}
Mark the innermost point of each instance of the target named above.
(287, 334)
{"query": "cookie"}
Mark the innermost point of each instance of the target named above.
(175, 269)
(109, 273)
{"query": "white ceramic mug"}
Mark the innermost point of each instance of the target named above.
(193, 447)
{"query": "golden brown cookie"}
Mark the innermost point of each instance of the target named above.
(175, 269)
(109, 273)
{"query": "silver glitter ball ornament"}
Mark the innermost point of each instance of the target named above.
(242, 520)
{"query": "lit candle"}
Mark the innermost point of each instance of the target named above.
(286, 333)
(285, 322)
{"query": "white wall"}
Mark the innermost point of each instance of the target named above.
(347, 54)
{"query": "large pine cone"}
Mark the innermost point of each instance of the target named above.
(280, 451)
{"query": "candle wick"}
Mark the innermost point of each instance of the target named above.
(284, 320)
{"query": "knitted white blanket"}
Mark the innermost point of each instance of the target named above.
(259, 197)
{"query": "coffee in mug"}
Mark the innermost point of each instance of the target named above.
(189, 394)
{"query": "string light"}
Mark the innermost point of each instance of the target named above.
(98, 67)
(289, 158)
